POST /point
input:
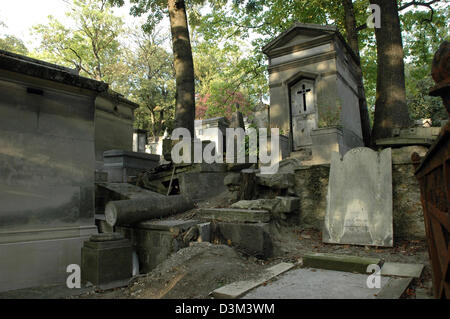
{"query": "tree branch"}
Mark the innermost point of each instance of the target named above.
(417, 3)
(406, 5)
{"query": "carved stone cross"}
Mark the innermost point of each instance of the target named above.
(303, 91)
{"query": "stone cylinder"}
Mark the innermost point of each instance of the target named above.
(127, 212)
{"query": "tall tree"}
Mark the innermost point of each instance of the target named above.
(352, 39)
(184, 66)
(391, 111)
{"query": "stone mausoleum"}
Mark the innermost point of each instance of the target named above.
(314, 90)
(54, 127)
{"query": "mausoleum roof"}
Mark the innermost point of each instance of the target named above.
(48, 71)
(312, 32)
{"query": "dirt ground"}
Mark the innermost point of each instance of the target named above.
(195, 271)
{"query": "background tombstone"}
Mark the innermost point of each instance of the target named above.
(359, 201)
(139, 140)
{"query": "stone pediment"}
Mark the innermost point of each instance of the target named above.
(300, 34)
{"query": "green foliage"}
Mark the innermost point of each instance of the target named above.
(421, 39)
(152, 83)
(224, 78)
(91, 45)
(11, 43)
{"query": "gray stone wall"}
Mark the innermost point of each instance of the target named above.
(46, 157)
(311, 187)
(113, 127)
(312, 183)
(46, 179)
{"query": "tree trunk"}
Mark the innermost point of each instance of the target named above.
(352, 39)
(248, 184)
(391, 111)
(184, 66)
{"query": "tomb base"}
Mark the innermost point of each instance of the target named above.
(106, 261)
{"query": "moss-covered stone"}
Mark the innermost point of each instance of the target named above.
(339, 262)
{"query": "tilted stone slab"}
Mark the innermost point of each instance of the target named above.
(395, 288)
(339, 262)
(174, 226)
(257, 204)
(235, 215)
(287, 204)
(278, 180)
(279, 204)
(359, 200)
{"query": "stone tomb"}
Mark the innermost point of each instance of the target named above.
(155, 240)
(47, 163)
(208, 130)
(359, 200)
(120, 164)
(314, 90)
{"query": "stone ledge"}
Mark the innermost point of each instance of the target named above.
(235, 215)
(339, 262)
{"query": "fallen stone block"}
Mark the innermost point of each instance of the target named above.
(278, 180)
(252, 239)
(402, 270)
(234, 215)
(339, 262)
(232, 179)
(287, 204)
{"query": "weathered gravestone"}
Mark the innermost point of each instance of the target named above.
(359, 201)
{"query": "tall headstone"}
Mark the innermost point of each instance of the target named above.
(314, 90)
(359, 200)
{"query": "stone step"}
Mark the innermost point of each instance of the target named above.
(234, 215)
(240, 288)
(339, 262)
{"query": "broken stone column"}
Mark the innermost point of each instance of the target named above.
(127, 212)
